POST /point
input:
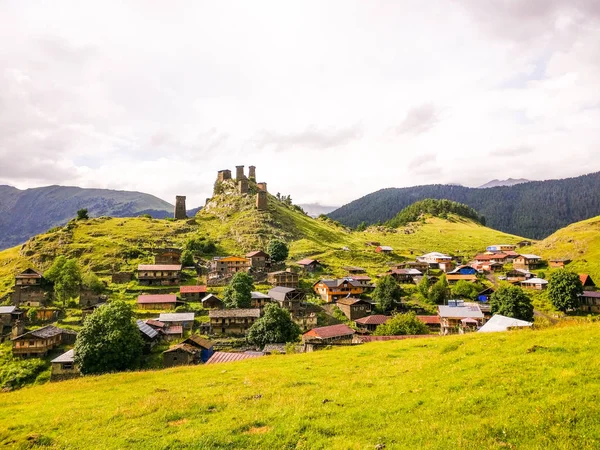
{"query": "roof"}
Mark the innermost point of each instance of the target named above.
(411, 272)
(67, 357)
(534, 281)
(258, 295)
(307, 262)
(199, 341)
(279, 272)
(192, 289)
(238, 312)
(386, 248)
(7, 309)
(257, 253)
(279, 292)
(366, 339)
(460, 312)
(503, 323)
(591, 294)
(269, 348)
(429, 320)
(330, 331)
(176, 317)
(157, 298)
(458, 276)
(353, 268)
(531, 256)
(584, 277)
(223, 357)
(165, 267)
(155, 323)
(358, 277)
(146, 329)
(29, 273)
(174, 329)
(349, 301)
(337, 282)
(376, 319)
(44, 333)
(436, 255)
(183, 347)
(232, 259)
(209, 296)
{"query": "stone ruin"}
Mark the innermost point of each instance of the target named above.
(242, 184)
(180, 210)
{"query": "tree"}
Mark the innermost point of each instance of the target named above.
(238, 293)
(438, 293)
(66, 277)
(109, 340)
(464, 289)
(511, 301)
(278, 251)
(423, 287)
(91, 281)
(564, 288)
(387, 292)
(82, 214)
(401, 324)
(361, 226)
(275, 326)
(187, 258)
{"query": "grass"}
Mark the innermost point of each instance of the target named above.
(528, 389)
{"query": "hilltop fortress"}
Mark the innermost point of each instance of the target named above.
(243, 184)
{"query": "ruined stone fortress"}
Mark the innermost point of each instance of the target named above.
(242, 183)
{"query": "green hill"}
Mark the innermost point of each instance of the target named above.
(527, 389)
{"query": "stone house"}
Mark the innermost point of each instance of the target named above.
(64, 367)
(28, 277)
(121, 277)
(8, 316)
(290, 299)
(156, 302)
(284, 278)
(159, 274)
(212, 301)
(259, 300)
(333, 290)
(206, 347)
(259, 260)
(89, 298)
(192, 293)
(232, 321)
(181, 355)
(38, 343)
(309, 265)
(354, 308)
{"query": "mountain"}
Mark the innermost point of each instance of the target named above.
(315, 209)
(437, 388)
(508, 182)
(535, 209)
(25, 213)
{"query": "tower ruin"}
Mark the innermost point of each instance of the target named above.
(243, 186)
(262, 186)
(261, 200)
(252, 172)
(224, 175)
(180, 211)
(239, 173)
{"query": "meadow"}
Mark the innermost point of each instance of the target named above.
(524, 389)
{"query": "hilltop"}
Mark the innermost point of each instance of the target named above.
(24, 214)
(535, 209)
(507, 182)
(526, 389)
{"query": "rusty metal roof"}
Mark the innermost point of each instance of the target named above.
(223, 357)
(330, 332)
(375, 319)
(430, 320)
(192, 289)
(165, 267)
(229, 313)
(157, 298)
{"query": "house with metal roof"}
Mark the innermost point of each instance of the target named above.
(309, 265)
(333, 290)
(527, 262)
(458, 316)
(185, 320)
(225, 357)
(370, 323)
(354, 308)
(39, 342)
(232, 321)
(535, 283)
(157, 301)
(323, 336)
(384, 249)
(159, 274)
(502, 323)
(258, 299)
(64, 367)
(192, 293)
(212, 301)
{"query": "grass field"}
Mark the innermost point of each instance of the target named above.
(527, 389)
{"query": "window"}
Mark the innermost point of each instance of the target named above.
(67, 366)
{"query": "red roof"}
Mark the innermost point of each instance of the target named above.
(306, 262)
(376, 319)
(394, 338)
(222, 357)
(257, 253)
(164, 267)
(155, 323)
(330, 331)
(174, 329)
(162, 298)
(430, 320)
(192, 289)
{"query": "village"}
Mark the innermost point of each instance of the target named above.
(183, 319)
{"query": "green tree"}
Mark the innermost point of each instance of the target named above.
(423, 287)
(274, 327)
(387, 292)
(438, 293)
(238, 293)
(91, 281)
(109, 340)
(66, 278)
(278, 251)
(511, 301)
(82, 214)
(402, 324)
(187, 258)
(361, 226)
(564, 288)
(464, 289)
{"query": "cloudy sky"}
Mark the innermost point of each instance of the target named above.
(330, 100)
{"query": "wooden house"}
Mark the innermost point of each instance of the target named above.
(501, 248)
(384, 249)
(290, 299)
(454, 278)
(159, 274)
(353, 270)
(28, 277)
(324, 336)
(518, 275)
(333, 290)
(363, 281)
(527, 262)
(433, 323)
(309, 265)
(354, 308)
(39, 342)
(259, 300)
(149, 334)
(558, 263)
(405, 276)
(534, 283)
(589, 302)
(211, 301)
(31, 295)
(452, 316)
(284, 278)
(206, 347)
(259, 260)
(157, 301)
(437, 260)
(8, 316)
(192, 293)
(232, 321)
(168, 256)
(229, 265)
(184, 320)
(181, 355)
(64, 367)
(587, 282)
(370, 323)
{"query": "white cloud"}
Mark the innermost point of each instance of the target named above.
(329, 100)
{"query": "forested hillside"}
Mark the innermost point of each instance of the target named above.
(437, 208)
(26, 213)
(535, 209)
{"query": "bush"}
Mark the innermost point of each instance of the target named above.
(564, 288)
(511, 301)
(278, 251)
(387, 293)
(82, 214)
(402, 324)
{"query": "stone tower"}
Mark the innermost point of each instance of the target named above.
(180, 211)
(243, 186)
(261, 200)
(262, 186)
(252, 172)
(239, 173)
(224, 175)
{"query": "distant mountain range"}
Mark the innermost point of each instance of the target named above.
(315, 209)
(25, 213)
(509, 182)
(533, 209)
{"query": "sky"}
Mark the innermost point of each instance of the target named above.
(330, 100)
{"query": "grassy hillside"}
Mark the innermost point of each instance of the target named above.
(527, 389)
(579, 242)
